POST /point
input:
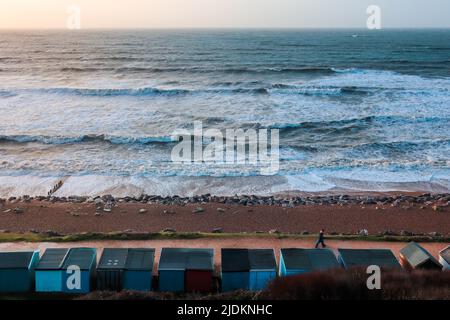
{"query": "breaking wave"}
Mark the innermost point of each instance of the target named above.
(84, 138)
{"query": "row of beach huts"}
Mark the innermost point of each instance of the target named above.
(187, 270)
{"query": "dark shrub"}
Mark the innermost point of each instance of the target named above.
(351, 285)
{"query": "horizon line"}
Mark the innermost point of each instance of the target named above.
(221, 28)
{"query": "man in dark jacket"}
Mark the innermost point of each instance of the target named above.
(321, 239)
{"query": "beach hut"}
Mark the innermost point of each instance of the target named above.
(126, 269)
(139, 270)
(263, 268)
(300, 261)
(188, 270)
(235, 270)
(66, 270)
(247, 269)
(383, 258)
(110, 269)
(17, 271)
(414, 256)
(444, 258)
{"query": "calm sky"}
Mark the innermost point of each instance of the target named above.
(223, 13)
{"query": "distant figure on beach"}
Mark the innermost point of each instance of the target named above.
(321, 239)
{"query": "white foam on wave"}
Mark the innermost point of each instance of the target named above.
(170, 186)
(13, 186)
(372, 180)
(314, 181)
(310, 182)
(384, 79)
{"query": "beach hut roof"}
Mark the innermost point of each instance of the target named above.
(200, 260)
(262, 259)
(52, 259)
(140, 259)
(237, 260)
(416, 255)
(127, 259)
(15, 260)
(186, 259)
(367, 257)
(309, 259)
(56, 259)
(172, 259)
(113, 259)
(81, 257)
(445, 254)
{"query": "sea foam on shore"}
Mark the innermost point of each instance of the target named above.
(92, 186)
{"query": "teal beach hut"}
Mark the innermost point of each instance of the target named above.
(300, 261)
(247, 269)
(188, 270)
(85, 259)
(353, 258)
(17, 271)
(263, 268)
(126, 269)
(66, 270)
(235, 270)
(139, 270)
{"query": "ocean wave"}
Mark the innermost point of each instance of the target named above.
(321, 72)
(278, 89)
(403, 145)
(301, 70)
(287, 131)
(84, 69)
(84, 138)
(6, 93)
(366, 84)
(357, 121)
(231, 70)
(149, 91)
(323, 90)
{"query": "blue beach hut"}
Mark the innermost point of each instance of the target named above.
(139, 270)
(247, 269)
(186, 270)
(126, 269)
(84, 260)
(263, 268)
(235, 270)
(17, 271)
(300, 261)
(66, 270)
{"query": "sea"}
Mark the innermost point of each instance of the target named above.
(357, 110)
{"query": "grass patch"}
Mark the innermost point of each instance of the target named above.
(78, 237)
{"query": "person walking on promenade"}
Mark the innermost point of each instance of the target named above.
(321, 239)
